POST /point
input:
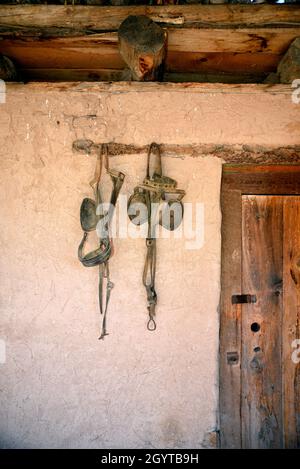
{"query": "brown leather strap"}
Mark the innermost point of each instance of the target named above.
(154, 189)
(149, 281)
(101, 255)
(156, 168)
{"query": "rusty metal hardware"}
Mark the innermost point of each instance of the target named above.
(241, 299)
(232, 358)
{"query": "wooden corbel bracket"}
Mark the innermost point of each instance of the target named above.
(142, 44)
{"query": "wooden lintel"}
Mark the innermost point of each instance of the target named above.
(150, 87)
(234, 156)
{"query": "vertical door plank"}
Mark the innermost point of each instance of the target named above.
(230, 323)
(291, 322)
(262, 258)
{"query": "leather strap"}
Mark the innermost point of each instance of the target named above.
(101, 255)
(149, 281)
(156, 169)
(155, 188)
(104, 250)
(150, 261)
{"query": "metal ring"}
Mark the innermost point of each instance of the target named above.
(151, 325)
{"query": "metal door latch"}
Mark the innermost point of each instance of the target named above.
(241, 299)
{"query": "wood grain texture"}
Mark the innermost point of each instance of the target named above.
(266, 179)
(77, 19)
(31, 55)
(201, 39)
(89, 52)
(259, 169)
(212, 62)
(261, 409)
(265, 40)
(230, 323)
(269, 413)
(291, 321)
(256, 90)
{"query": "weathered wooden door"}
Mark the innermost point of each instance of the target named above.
(260, 330)
(270, 377)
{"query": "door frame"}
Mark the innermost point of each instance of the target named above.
(239, 180)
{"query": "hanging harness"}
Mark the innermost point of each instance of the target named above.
(158, 201)
(92, 217)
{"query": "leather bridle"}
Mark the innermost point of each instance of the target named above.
(154, 190)
(91, 214)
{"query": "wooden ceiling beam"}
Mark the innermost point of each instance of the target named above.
(55, 20)
(245, 40)
(272, 40)
(68, 75)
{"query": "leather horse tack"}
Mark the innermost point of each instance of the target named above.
(156, 196)
(91, 214)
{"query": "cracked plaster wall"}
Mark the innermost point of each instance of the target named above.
(60, 386)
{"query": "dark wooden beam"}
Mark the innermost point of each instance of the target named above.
(53, 20)
(102, 74)
(265, 179)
